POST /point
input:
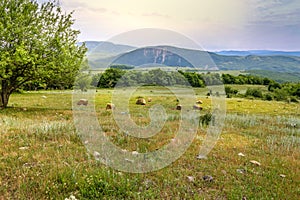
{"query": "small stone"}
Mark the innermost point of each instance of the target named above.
(24, 148)
(255, 162)
(282, 175)
(44, 97)
(208, 178)
(128, 160)
(191, 178)
(241, 154)
(173, 140)
(97, 155)
(201, 157)
(241, 171)
(135, 153)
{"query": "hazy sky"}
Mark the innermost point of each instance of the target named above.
(213, 24)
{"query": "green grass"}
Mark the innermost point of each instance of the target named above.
(42, 157)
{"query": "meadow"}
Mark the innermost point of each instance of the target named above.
(43, 157)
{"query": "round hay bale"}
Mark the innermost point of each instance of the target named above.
(110, 106)
(83, 102)
(179, 107)
(199, 102)
(141, 101)
(197, 107)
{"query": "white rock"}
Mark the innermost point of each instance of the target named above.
(23, 148)
(241, 154)
(191, 178)
(201, 157)
(255, 162)
(282, 175)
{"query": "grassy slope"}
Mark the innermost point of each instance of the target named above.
(41, 157)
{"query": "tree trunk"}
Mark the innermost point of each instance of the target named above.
(5, 93)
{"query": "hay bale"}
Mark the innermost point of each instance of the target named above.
(141, 101)
(179, 107)
(83, 102)
(199, 102)
(197, 107)
(110, 106)
(149, 99)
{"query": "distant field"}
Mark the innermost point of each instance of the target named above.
(42, 156)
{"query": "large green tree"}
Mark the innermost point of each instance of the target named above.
(37, 43)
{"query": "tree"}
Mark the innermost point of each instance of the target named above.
(83, 81)
(110, 78)
(37, 43)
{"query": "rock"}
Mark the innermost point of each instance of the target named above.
(128, 160)
(241, 154)
(282, 175)
(134, 153)
(23, 148)
(208, 178)
(255, 162)
(241, 171)
(149, 99)
(201, 157)
(44, 97)
(191, 178)
(97, 155)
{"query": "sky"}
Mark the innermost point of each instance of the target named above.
(212, 24)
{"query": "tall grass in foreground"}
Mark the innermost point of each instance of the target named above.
(42, 157)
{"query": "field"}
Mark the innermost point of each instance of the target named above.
(43, 157)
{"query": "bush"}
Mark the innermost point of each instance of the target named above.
(268, 97)
(254, 92)
(230, 92)
(294, 100)
(281, 95)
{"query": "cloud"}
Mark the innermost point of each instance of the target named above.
(79, 5)
(276, 12)
(155, 14)
(215, 23)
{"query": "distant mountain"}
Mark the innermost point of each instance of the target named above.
(106, 47)
(102, 54)
(258, 53)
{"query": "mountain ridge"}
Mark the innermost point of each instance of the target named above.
(101, 54)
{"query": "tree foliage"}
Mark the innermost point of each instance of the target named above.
(37, 44)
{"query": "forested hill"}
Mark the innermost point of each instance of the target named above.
(102, 53)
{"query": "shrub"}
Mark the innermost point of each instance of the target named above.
(268, 97)
(254, 92)
(294, 100)
(230, 92)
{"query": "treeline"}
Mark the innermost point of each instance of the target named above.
(124, 78)
(159, 77)
(113, 76)
(289, 92)
(245, 79)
